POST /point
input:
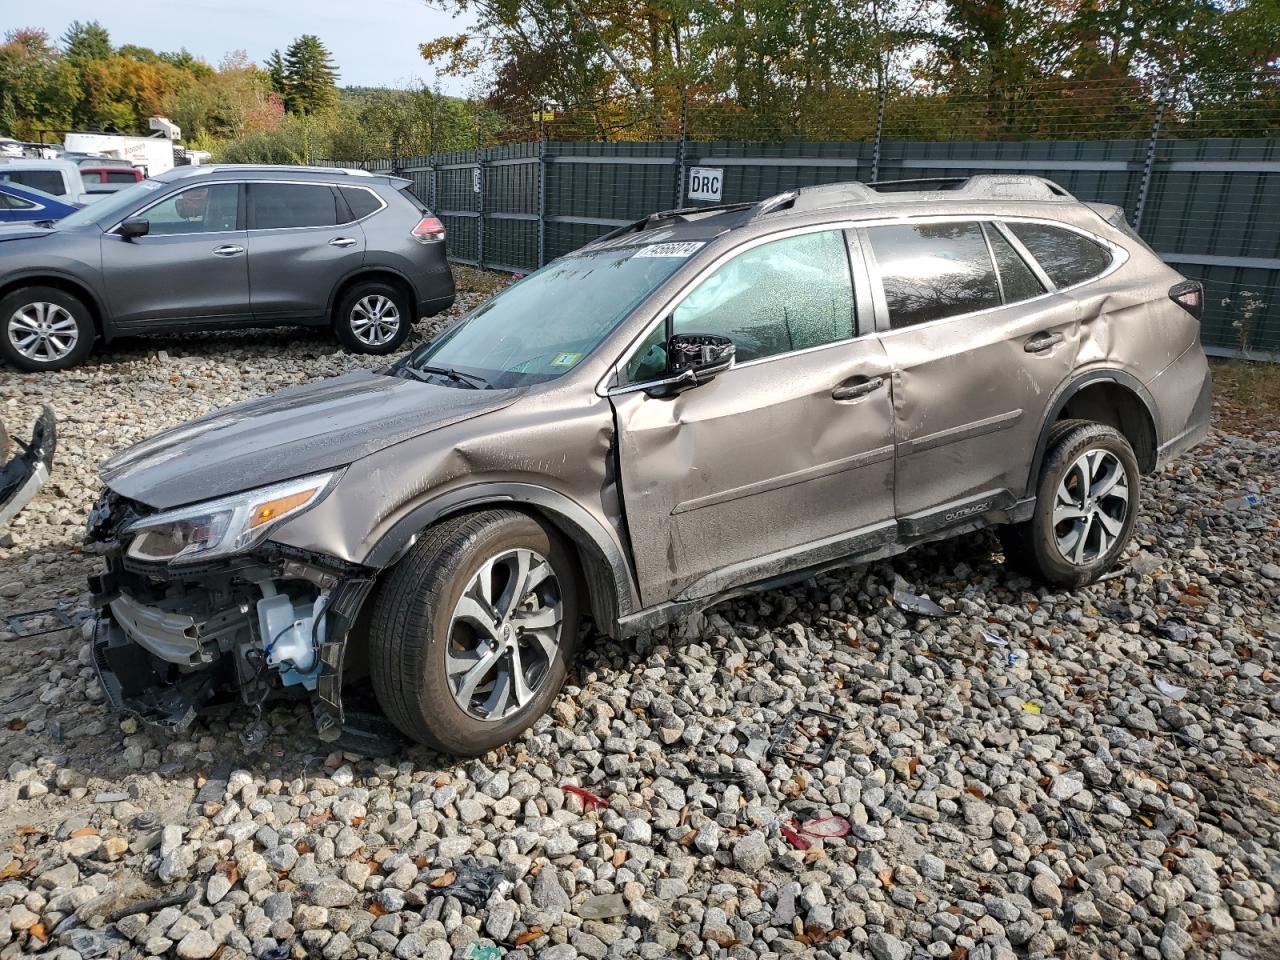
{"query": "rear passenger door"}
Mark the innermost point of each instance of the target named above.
(978, 343)
(302, 243)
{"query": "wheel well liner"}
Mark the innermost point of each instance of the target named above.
(367, 273)
(66, 284)
(1112, 397)
(605, 569)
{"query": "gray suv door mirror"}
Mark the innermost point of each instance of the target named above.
(134, 228)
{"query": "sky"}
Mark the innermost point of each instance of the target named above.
(374, 42)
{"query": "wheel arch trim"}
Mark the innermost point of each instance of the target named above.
(370, 271)
(595, 541)
(1070, 389)
(51, 276)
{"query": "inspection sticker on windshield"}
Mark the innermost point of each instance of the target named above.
(686, 249)
(565, 359)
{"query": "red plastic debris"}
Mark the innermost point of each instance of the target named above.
(797, 841)
(589, 800)
(827, 827)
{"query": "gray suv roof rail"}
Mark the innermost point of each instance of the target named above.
(288, 168)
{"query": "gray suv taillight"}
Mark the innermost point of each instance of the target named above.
(428, 230)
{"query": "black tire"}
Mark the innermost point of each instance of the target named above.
(410, 632)
(353, 309)
(27, 302)
(1034, 546)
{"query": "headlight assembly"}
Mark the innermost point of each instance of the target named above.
(221, 527)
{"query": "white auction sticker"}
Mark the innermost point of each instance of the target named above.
(686, 249)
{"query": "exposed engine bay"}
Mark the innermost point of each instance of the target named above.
(169, 639)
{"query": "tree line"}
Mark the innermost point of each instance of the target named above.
(290, 110)
(761, 69)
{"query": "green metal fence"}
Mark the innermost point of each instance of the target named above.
(1209, 207)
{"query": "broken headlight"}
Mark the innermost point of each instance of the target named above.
(221, 527)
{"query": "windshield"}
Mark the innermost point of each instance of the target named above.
(543, 326)
(110, 206)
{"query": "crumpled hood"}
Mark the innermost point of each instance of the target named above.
(298, 431)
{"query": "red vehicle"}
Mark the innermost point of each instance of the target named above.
(108, 178)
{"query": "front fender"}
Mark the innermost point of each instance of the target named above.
(607, 571)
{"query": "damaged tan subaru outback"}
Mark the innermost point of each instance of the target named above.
(702, 403)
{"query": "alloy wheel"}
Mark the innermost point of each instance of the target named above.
(1090, 507)
(504, 635)
(43, 332)
(375, 320)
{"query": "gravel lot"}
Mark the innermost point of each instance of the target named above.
(1016, 780)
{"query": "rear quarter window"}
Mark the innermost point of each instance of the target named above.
(360, 201)
(1066, 256)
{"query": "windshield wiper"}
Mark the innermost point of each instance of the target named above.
(470, 379)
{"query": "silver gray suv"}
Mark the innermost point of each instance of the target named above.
(215, 247)
(706, 402)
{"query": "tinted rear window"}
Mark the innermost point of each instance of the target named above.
(931, 271)
(362, 202)
(121, 176)
(1066, 256)
(50, 181)
(274, 206)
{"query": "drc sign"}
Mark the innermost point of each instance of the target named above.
(706, 183)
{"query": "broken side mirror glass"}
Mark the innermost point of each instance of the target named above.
(692, 359)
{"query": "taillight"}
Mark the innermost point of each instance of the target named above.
(1189, 295)
(428, 229)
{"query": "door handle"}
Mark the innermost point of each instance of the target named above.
(341, 242)
(1042, 342)
(228, 250)
(859, 388)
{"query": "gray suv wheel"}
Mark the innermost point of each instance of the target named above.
(44, 328)
(373, 317)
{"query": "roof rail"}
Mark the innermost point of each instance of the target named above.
(985, 186)
(296, 168)
(980, 186)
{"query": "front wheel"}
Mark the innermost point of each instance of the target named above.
(1086, 507)
(473, 631)
(44, 328)
(373, 317)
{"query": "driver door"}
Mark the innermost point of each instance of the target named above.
(783, 461)
(190, 268)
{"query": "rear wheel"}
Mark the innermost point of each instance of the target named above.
(1086, 507)
(473, 631)
(373, 317)
(44, 328)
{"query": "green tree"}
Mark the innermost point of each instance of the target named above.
(86, 41)
(310, 77)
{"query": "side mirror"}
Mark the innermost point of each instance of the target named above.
(693, 359)
(132, 229)
(697, 357)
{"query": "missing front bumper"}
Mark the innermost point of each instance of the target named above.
(135, 684)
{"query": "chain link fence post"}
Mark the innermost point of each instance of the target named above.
(875, 147)
(1148, 164)
(478, 188)
(681, 145)
(542, 185)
